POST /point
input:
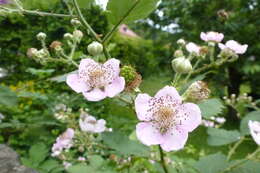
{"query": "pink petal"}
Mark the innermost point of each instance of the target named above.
(114, 63)
(142, 106)
(189, 116)
(174, 140)
(169, 91)
(254, 127)
(86, 63)
(203, 36)
(95, 95)
(76, 84)
(116, 87)
(148, 134)
(221, 46)
(193, 48)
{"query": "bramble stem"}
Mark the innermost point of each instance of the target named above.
(38, 13)
(237, 164)
(84, 22)
(189, 74)
(162, 156)
(233, 149)
(107, 37)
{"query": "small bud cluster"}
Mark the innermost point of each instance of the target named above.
(62, 112)
(213, 122)
(235, 101)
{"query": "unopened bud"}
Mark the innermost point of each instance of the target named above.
(41, 53)
(181, 65)
(95, 48)
(226, 53)
(31, 52)
(181, 42)
(56, 45)
(77, 34)
(75, 22)
(41, 36)
(197, 92)
(68, 36)
(178, 53)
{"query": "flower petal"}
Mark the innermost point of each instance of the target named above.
(142, 106)
(86, 63)
(76, 84)
(148, 134)
(222, 46)
(174, 140)
(169, 91)
(203, 36)
(100, 126)
(254, 127)
(114, 65)
(115, 87)
(189, 116)
(95, 95)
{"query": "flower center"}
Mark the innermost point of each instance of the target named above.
(164, 113)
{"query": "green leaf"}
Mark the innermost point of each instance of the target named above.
(247, 167)
(49, 165)
(96, 161)
(36, 4)
(80, 168)
(123, 145)
(214, 163)
(244, 123)
(7, 97)
(118, 9)
(62, 78)
(38, 153)
(85, 3)
(211, 107)
(218, 137)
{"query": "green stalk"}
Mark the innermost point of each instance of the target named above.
(107, 37)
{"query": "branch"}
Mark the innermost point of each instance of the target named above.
(163, 160)
(84, 22)
(107, 37)
(37, 13)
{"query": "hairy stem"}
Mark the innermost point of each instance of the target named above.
(233, 149)
(85, 23)
(37, 13)
(162, 157)
(107, 37)
(239, 163)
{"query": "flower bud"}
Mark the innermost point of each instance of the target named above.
(31, 52)
(41, 53)
(181, 65)
(68, 36)
(227, 53)
(178, 53)
(181, 42)
(75, 22)
(197, 92)
(56, 45)
(77, 34)
(95, 48)
(41, 36)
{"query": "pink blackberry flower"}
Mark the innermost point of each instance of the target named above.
(89, 123)
(2, 2)
(193, 48)
(254, 127)
(64, 141)
(212, 36)
(166, 121)
(97, 81)
(234, 46)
